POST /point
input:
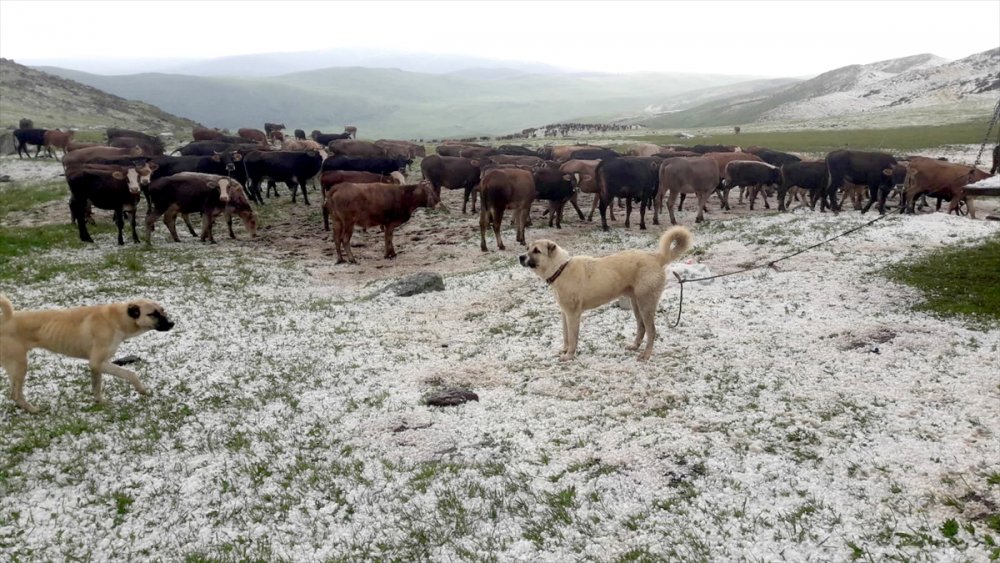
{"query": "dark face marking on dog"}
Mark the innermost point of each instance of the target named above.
(133, 311)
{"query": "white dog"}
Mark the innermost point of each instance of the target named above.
(584, 282)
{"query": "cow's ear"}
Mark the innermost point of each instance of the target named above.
(551, 248)
(887, 172)
(152, 166)
(474, 162)
(133, 311)
(117, 175)
(587, 177)
(212, 184)
(216, 157)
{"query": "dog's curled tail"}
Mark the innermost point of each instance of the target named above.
(678, 234)
(6, 308)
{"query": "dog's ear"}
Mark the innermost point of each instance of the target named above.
(133, 311)
(552, 248)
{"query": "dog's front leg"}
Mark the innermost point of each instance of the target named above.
(565, 331)
(121, 373)
(572, 321)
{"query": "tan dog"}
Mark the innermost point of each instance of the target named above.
(92, 333)
(584, 282)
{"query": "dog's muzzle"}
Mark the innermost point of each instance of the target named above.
(164, 324)
(526, 261)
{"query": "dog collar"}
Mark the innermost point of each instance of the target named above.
(559, 272)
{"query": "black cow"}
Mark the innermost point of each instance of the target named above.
(325, 138)
(362, 164)
(155, 142)
(755, 175)
(872, 169)
(208, 148)
(300, 134)
(809, 175)
(25, 123)
(556, 188)
(773, 157)
(294, 168)
(454, 173)
(635, 178)
(515, 150)
(148, 148)
(593, 154)
(106, 187)
(25, 137)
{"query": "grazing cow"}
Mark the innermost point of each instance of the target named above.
(593, 154)
(773, 157)
(300, 134)
(504, 188)
(148, 149)
(583, 174)
(944, 180)
(808, 175)
(359, 164)
(300, 145)
(450, 150)
(208, 148)
(272, 127)
(25, 137)
(193, 192)
(291, 167)
(325, 138)
(368, 205)
(333, 178)
(252, 135)
(351, 131)
(477, 152)
(106, 187)
(88, 154)
(872, 169)
(454, 173)
(206, 134)
(515, 150)
(56, 139)
(756, 175)
(350, 147)
(635, 178)
(155, 143)
(686, 175)
(394, 149)
(557, 188)
(75, 146)
(721, 160)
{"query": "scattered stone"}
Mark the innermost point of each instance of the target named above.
(5, 178)
(125, 360)
(422, 282)
(450, 397)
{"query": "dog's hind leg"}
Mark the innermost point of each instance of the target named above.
(15, 362)
(640, 324)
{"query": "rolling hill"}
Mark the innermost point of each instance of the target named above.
(922, 87)
(57, 102)
(385, 102)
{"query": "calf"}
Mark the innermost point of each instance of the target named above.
(686, 175)
(944, 180)
(325, 138)
(292, 168)
(25, 137)
(872, 169)
(454, 173)
(583, 174)
(721, 160)
(505, 188)
(809, 175)
(252, 135)
(332, 178)
(557, 188)
(192, 192)
(635, 178)
(56, 139)
(106, 187)
(368, 205)
(755, 175)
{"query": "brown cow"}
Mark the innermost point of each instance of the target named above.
(584, 177)
(350, 147)
(206, 134)
(75, 146)
(332, 178)
(88, 154)
(690, 175)
(501, 189)
(57, 139)
(368, 205)
(401, 148)
(300, 145)
(564, 152)
(193, 192)
(941, 179)
(721, 160)
(252, 135)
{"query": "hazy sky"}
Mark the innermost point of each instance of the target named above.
(793, 38)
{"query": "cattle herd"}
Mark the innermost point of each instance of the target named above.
(363, 183)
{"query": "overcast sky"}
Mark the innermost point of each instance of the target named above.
(800, 38)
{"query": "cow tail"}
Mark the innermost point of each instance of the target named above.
(678, 234)
(599, 180)
(6, 308)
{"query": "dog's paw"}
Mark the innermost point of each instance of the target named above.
(566, 357)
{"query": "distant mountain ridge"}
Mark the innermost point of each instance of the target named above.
(56, 102)
(914, 83)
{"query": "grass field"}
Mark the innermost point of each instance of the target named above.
(825, 140)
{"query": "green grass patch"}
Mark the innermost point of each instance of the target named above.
(821, 141)
(19, 197)
(957, 281)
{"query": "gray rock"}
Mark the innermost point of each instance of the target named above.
(450, 397)
(422, 282)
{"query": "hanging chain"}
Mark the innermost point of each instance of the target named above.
(993, 122)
